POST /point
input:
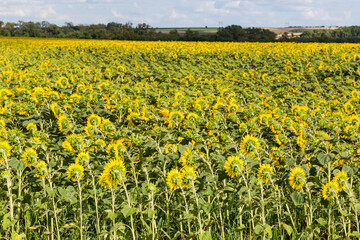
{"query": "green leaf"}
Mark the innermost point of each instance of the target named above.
(188, 216)
(128, 211)
(17, 164)
(6, 222)
(268, 230)
(118, 226)
(70, 225)
(354, 234)
(258, 229)
(321, 221)
(297, 198)
(287, 228)
(205, 236)
(150, 212)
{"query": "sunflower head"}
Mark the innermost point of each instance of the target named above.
(330, 190)
(188, 176)
(75, 172)
(297, 178)
(94, 120)
(41, 169)
(83, 159)
(108, 127)
(265, 172)
(31, 127)
(174, 179)
(5, 150)
(114, 172)
(64, 124)
(341, 178)
(151, 187)
(29, 157)
(233, 166)
(189, 158)
(249, 145)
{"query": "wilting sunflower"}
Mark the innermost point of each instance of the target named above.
(73, 143)
(5, 150)
(114, 172)
(297, 178)
(75, 172)
(188, 176)
(188, 158)
(103, 182)
(265, 172)
(249, 145)
(233, 166)
(330, 190)
(341, 179)
(41, 169)
(29, 157)
(174, 179)
(83, 159)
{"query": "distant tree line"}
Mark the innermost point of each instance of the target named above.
(342, 34)
(127, 31)
(143, 31)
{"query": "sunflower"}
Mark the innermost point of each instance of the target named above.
(41, 169)
(164, 113)
(176, 115)
(151, 187)
(188, 176)
(2, 124)
(5, 150)
(103, 182)
(56, 109)
(75, 172)
(330, 190)
(6, 175)
(90, 131)
(94, 120)
(107, 127)
(297, 178)
(64, 124)
(62, 82)
(31, 127)
(276, 155)
(341, 179)
(280, 139)
(73, 143)
(29, 157)
(188, 158)
(233, 166)
(98, 145)
(114, 172)
(265, 172)
(174, 179)
(192, 116)
(83, 159)
(249, 145)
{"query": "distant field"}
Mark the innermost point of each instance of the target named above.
(211, 30)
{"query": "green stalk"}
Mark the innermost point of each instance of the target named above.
(129, 203)
(113, 209)
(198, 207)
(47, 216)
(81, 216)
(186, 209)
(96, 203)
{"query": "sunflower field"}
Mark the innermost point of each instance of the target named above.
(175, 140)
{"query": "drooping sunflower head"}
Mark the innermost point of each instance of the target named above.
(297, 178)
(74, 143)
(276, 155)
(41, 169)
(99, 144)
(64, 124)
(56, 109)
(5, 150)
(62, 82)
(233, 166)
(265, 172)
(174, 179)
(108, 127)
(94, 120)
(330, 190)
(29, 157)
(188, 176)
(103, 182)
(249, 145)
(31, 127)
(189, 158)
(90, 130)
(341, 178)
(75, 172)
(114, 172)
(151, 187)
(83, 159)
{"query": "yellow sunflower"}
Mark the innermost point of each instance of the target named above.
(94, 120)
(249, 145)
(5, 150)
(41, 169)
(29, 157)
(297, 178)
(341, 178)
(83, 159)
(75, 172)
(265, 172)
(114, 172)
(330, 190)
(174, 179)
(107, 127)
(64, 124)
(233, 166)
(188, 176)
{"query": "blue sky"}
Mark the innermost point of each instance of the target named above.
(186, 13)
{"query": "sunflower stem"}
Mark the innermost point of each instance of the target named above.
(80, 211)
(186, 209)
(96, 204)
(129, 203)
